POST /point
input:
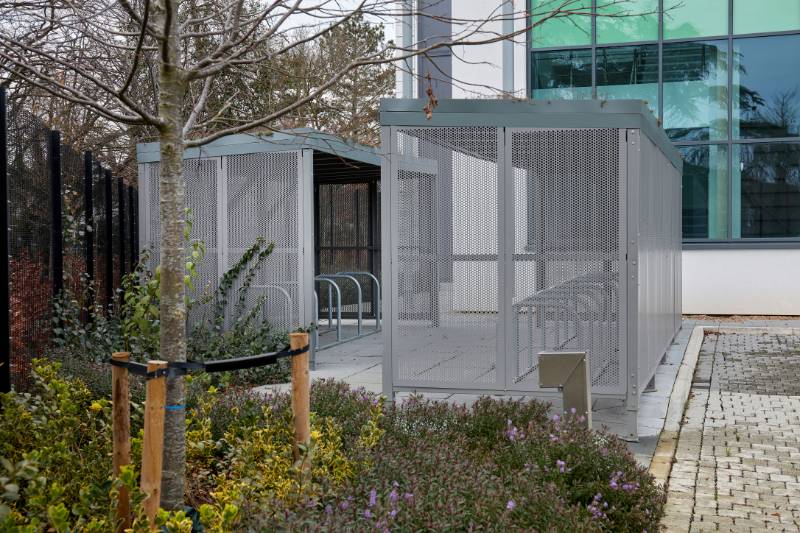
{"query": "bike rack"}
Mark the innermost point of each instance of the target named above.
(329, 277)
(376, 294)
(289, 301)
(332, 285)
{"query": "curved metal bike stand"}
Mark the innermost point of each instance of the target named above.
(289, 301)
(376, 294)
(329, 277)
(338, 305)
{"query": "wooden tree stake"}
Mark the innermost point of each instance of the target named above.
(121, 433)
(301, 401)
(153, 445)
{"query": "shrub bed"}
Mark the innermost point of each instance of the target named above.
(423, 466)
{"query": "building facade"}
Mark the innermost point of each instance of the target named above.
(722, 76)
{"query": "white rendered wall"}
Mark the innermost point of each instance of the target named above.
(477, 70)
(741, 282)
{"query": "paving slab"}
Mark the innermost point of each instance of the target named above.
(738, 454)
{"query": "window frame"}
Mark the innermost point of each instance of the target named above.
(689, 244)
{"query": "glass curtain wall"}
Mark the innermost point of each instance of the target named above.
(724, 78)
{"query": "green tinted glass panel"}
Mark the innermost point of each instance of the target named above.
(766, 188)
(561, 30)
(635, 20)
(562, 75)
(696, 90)
(628, 72)
(695, 18)
(705, 192)
(766, 87)
(750, 16)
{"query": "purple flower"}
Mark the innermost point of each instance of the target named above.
(329, 509)
(344, 505)
(511, 432)
(408, 497)
(562, 466)
(553, 438)
(510, 505)
(556, 418)
(573, 410)
(393, 496)
(393, 513)
(373, 498)
(367, 513)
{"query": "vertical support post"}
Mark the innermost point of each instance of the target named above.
(56, 232)
(301, 392)
(132, 221)
(121, 434)
(508, 48)
(153, 444)
(109, 250)
(121, 205)
(137, 214)
(88, 215)
(5, 234)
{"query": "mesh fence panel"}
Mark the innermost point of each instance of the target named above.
(73, 219)
(30, 252)
(99, 228)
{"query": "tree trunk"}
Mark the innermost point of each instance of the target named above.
(172, 89)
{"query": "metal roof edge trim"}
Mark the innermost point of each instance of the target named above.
(280, 142)
(620, 114)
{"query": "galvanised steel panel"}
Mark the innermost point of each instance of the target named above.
(568, 253)
(445, 330)
(558, 238)
(232, 201)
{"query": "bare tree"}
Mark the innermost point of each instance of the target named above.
(155, 64)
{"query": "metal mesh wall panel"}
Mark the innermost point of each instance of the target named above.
(657, 267)
(262, 201)
(567, 251)
(200, 176)
(233, 200)
(445, 328)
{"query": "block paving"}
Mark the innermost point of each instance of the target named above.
(737, 465)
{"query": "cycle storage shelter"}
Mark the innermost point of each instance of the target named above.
(242, 187)
(511, 228)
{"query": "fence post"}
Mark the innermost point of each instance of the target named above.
(300, 393)
(136, 227)
(153, 444)
(5, 234)
(109, 236)
(88, 215)
(121, 204)
(56, 231)
(132, 227)
(121, 434)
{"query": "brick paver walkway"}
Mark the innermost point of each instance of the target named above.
(738, 458)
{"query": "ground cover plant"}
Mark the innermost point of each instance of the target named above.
(493, 466)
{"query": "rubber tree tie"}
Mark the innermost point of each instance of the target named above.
(181, 368)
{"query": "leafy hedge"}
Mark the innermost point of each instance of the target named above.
(423, 466)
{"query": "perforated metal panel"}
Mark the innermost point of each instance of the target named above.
(566, 296)
(446, 226)
(233, 200)
(262, 201)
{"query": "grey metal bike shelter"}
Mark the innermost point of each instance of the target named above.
(512, 228)
(241, 187)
